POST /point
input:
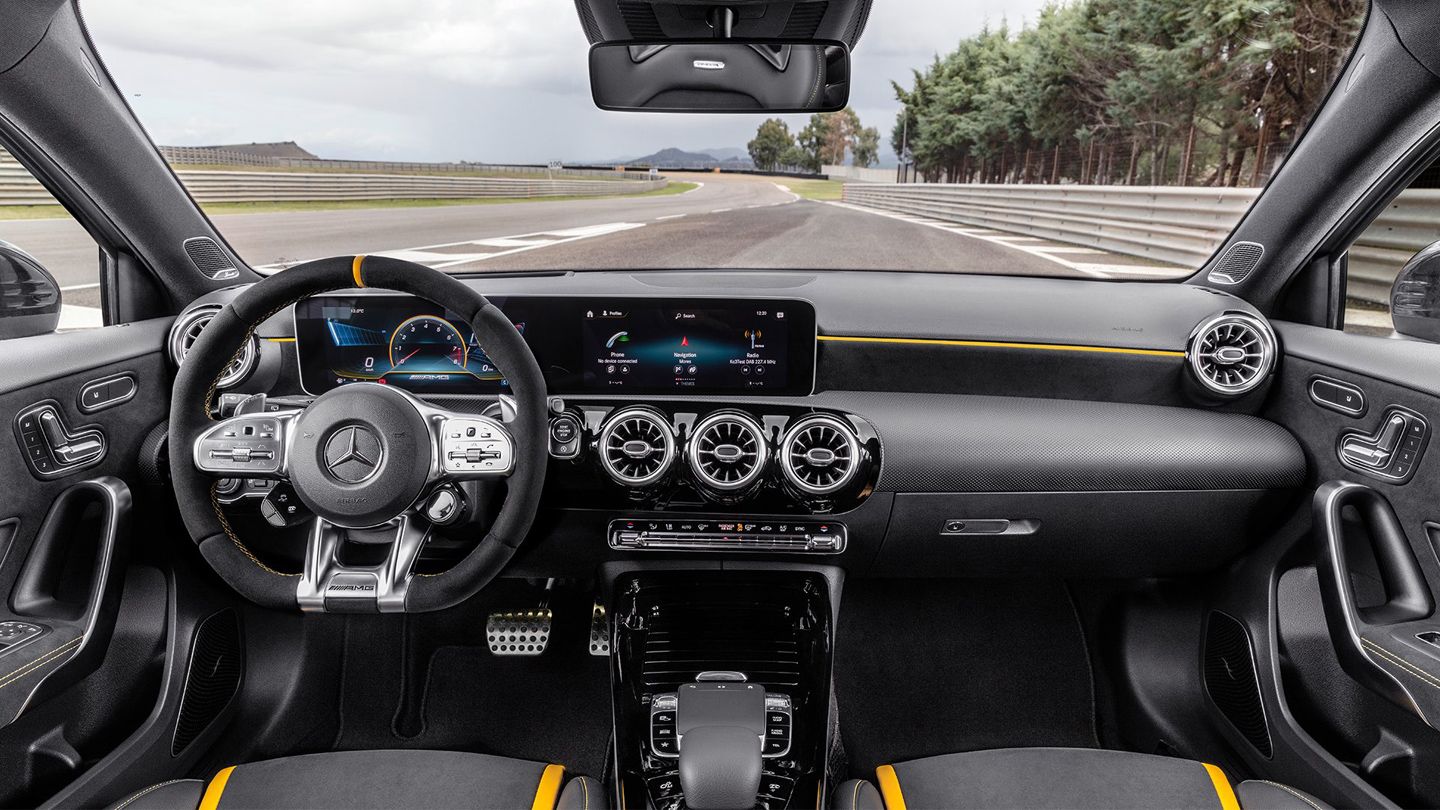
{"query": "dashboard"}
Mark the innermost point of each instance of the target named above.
(584, 345)
(897, 421)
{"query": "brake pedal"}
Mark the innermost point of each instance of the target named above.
(599, 631)
(520, 632)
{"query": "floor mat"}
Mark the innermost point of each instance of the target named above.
(430, 682)
(935, 667)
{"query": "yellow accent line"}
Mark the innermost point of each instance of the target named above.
(1000, 344)
(548, 792)
(890, 788)
(1222, 787)
(216, 788)
(355, 270)
(280, 340)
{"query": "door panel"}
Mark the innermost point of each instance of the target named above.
(79, 407)
(1363, 409)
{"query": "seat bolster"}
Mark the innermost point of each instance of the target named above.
(856, 794)
(177, 794)
(1259, 794)
(582, 793)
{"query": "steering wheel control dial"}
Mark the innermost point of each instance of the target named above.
(249, 446)
(475, 446)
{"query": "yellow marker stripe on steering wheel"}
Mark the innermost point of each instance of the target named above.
(355, 270)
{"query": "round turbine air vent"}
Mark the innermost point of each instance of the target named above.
(186, 330)
(819, 455)
(636, 446)
(727, 451)
(1232, 353)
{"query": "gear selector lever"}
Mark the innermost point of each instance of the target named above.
(720, 725)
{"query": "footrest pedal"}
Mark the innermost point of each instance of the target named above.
(599, 631)
(520, 632)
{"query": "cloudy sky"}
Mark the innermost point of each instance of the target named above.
(499, 81)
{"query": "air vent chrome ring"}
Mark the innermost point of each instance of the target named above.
(820, 455)
(186, 330)
(636, 446)
(727, 451)
(1232, 353)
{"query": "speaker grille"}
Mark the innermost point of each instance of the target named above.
(1238, 262)
(804, 20)
(1230, 679)
(216, 667)
(209, 259)
(641, 20)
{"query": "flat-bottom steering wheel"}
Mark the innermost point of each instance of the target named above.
(363, 456)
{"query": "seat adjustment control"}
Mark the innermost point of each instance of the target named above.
(51, 447)
(1392, 451)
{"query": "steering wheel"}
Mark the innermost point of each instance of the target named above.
(362, 457)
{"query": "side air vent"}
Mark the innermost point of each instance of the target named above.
(727, 452)
(209, 259)
(804, 20)
(186, 330)
(819, 455)
(1231, 354)
(1238, 262)
(636, 446)
(1231, 682)
(640, 19)
(213, 678)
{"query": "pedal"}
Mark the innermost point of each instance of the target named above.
(521, 632)
(599, 631)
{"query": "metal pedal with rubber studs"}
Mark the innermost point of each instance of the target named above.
(599, 631)
(520, 632)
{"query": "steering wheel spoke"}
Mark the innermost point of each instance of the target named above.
(328, 584)
(252, 445)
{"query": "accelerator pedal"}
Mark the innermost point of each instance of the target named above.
(599, 631)
(519, 632)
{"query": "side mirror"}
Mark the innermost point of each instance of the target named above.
(29, 295)
(1415, 296)
(723, 75)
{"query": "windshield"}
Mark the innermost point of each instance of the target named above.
(1109, 139)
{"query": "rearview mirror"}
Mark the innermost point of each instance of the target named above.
(720, 76)
(29, 295)
(1415, 296)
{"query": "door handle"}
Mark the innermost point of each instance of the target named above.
(1382, 646)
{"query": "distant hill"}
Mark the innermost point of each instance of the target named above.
(672, 157)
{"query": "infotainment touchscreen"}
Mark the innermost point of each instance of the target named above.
(648, 346)
(623, 345)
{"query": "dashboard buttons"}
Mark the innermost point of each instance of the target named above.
(13, 634)
(778, 729)
(725, 535)
(565, 436)
(1337, 396)
(475, 445)
(663, 739)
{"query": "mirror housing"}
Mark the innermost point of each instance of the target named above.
(1415, 296)
(29, 295)
(720, 76)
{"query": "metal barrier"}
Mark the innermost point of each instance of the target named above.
(17, 187)
(1181, 226)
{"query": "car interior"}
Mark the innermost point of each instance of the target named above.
(879, 540)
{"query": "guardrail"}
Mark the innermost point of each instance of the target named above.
(1181, 226)
(17, 187)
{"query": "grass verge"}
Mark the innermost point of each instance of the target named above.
(815, 189)
(12, 212)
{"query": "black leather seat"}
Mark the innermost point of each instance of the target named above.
(1068, 778)
(379, 779)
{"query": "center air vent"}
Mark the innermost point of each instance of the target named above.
(727, 451)
(819, 455)
(636, 446)
(186, 330)
(1231, 354)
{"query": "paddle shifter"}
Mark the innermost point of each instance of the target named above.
(720, 723)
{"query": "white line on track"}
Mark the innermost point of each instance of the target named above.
(721, 210)
(1095, 270)
(786, 189)
(669, 216)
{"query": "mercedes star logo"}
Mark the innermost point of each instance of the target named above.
(352, 454)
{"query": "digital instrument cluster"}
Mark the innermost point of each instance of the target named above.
(583, 345)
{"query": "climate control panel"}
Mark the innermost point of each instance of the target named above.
(816, 537)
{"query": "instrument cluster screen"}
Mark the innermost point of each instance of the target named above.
(649, 347)
(583, 344)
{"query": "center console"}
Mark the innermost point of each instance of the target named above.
(722, 688)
